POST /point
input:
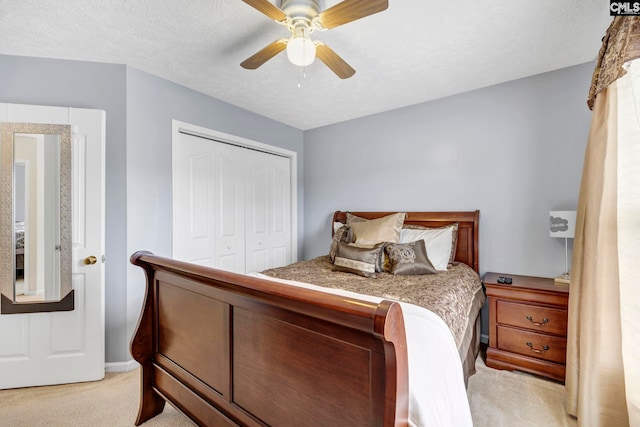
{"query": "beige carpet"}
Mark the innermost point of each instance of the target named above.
(110, 402)
(505, 398)
(498, 398)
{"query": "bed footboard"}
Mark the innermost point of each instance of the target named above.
(228, 349)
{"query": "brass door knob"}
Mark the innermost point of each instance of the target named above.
(90, 260)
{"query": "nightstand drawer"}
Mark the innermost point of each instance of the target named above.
(532, 344)
(543, 319)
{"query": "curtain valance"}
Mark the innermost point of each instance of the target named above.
(620, 45)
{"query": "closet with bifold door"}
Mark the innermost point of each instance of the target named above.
(231, 205)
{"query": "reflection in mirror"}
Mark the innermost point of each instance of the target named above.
(20, 197)
(35, 218)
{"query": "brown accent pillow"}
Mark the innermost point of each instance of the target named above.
(383, 262)
(454, 236)
(343, 234)
(360, 261)
(385, 229)
(409, 258)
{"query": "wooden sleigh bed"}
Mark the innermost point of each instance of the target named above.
(229, 349)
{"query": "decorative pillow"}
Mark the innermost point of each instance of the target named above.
(383, 262)
(409, 258)
(343, 234)
(337, 225)
(454, 241)
(438, 242)
(385, 229)
(361, 261)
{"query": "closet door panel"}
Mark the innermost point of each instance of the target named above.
(268, 212)
(280, 238)
(279, 256)
(257, 213)
(258, 205)
(258, 261)
(193, 201)
(230, 205)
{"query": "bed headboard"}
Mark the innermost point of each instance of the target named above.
(467, 248)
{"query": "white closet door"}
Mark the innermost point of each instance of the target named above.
(280, 239)
(268, 212)
(231, 205)
(194, 212)
(229, 229)
(208, 203)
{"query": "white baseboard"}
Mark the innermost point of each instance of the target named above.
(484, 338)
(127, 366)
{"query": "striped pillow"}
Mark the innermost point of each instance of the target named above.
(356, 260)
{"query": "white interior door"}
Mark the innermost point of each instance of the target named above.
(68, 346)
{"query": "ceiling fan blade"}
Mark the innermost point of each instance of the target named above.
(267, 8)
(334, 62)
(350, 10)
(264, 55)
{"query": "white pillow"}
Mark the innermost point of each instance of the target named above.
(438, 242)
(336, 226)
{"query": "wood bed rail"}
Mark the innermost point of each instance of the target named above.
(230, 349)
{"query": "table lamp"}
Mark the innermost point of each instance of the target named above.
(562, 224)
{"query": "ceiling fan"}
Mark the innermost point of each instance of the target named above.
(303, 17)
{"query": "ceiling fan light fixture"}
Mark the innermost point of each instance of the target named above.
(301, 51)
(302, 18)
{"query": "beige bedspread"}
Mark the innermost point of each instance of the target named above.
(455, 295)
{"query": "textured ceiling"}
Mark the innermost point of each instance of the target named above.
(415, 51)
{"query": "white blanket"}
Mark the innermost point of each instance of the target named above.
(437, 396)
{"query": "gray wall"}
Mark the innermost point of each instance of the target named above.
(514, 151)
(139, 108)
(152, 103)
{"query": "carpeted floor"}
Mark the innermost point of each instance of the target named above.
(110, 402)
(505, 398)
(497, 398)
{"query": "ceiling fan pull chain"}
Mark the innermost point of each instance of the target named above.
(302, 71)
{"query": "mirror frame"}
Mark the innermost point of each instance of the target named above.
(8, 305)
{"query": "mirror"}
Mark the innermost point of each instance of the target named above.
(35, 218)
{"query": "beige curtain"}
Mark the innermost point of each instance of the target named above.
(603, 349)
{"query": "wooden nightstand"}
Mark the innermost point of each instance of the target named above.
(527, 324)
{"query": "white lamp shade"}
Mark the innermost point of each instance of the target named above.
(562, 224)
(301, 51)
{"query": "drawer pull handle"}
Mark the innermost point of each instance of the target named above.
(544, 321)
(537, 350)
